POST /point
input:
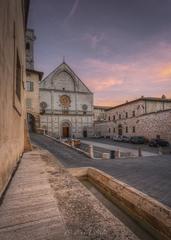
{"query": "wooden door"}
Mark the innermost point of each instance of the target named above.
(65, 132)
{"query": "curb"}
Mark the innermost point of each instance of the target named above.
(152, 215)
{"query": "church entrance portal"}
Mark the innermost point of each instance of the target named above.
(65, 130)
(120, 130)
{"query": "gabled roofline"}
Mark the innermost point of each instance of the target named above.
(70, 70)
(141, 99)
(102, 107)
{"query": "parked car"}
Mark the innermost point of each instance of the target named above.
(115, 138)
(138, 140)
(125, 139)
(158, 143)
(118, 138)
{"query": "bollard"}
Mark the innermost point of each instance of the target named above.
(72, 143)
(112, 154)
(118, 153)
(160, 151)
(91, 154)
(139, 152)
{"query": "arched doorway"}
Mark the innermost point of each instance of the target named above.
(31, 122)
(66, 131)
(120, 130)
(84, 132)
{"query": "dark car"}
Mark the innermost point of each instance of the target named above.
(138, 140)
(158, 143)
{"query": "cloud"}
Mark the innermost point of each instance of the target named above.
(72, 11)
(147, 73)
(165, 72)
(93, 39)
(104, 83)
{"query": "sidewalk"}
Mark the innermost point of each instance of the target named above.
(29, 210)
(44, 202)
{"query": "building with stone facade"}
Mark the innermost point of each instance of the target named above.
(100, 113)
(146, 116)
(66, 104)
(33, 78)
(13, 21)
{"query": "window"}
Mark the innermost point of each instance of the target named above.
(18, 78)
(126, 130)
(28, 103)
(109, 118)
(84, 112)
(113, 117)
(119, 116)
(133, 113)
(27, 46)
(113, 130)
(109, 130)
(133, 129)
(29, 86)
(126, 115)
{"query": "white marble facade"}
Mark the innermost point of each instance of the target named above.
(66, 104)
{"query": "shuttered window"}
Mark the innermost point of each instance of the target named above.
(29, 86)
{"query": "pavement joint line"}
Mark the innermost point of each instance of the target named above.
(27, 222)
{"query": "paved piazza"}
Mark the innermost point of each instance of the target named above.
(151, 175)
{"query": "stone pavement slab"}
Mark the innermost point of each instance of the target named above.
(44, 202)
(29, 210)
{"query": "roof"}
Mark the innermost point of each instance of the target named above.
(36, 72)
(67, 68)
(142, 99)
(101, 107)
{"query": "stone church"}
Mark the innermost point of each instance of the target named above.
(66, 104)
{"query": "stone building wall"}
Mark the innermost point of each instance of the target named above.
(32, 95)
(100, 113)
(147, 125)
(53, 124)
(12, 81)
(33, 78)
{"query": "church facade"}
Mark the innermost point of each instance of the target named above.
(66, 104)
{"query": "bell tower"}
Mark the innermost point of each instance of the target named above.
(30, 38)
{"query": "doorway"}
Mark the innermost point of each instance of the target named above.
(120, 130)
(31, 122)
(65, 130)
(85, 133)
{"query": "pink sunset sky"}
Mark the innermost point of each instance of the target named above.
(120, 51)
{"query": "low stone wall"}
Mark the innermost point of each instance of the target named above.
(151, 214)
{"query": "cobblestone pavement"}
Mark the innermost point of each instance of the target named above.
(151, 175)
